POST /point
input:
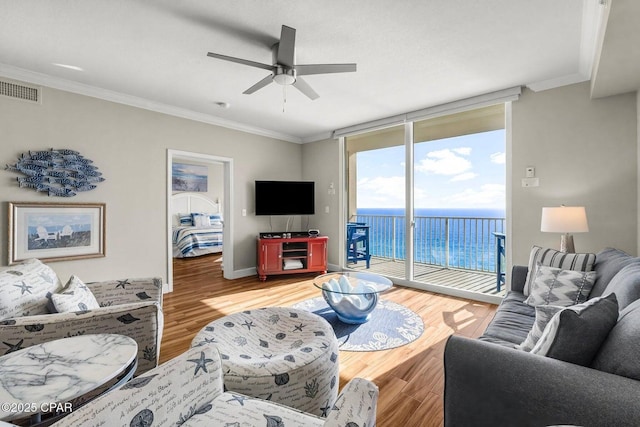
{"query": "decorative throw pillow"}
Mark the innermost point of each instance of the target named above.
(25, 287)
(553, 258)
(200, 219)
(544, 313)
(576, 333)
(554, 286)
(75, 296)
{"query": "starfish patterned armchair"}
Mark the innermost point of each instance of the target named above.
(188, 391)
(35, 307)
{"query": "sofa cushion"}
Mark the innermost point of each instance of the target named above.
(512, 322)
(544, 313)
(555, 286)
(619, 353)
(626, 285)
(609, 262)
(553, 258)
(25, 287)
(576, 333)
(75, 296)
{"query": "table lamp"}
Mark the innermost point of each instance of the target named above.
(565, 219)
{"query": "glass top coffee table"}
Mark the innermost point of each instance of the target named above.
(352, 295)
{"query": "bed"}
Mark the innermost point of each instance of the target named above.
(197, 227)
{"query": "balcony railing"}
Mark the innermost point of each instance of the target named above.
(466, 243)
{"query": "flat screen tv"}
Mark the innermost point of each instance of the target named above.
(285, 197)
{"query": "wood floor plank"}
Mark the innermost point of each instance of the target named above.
(410, 378)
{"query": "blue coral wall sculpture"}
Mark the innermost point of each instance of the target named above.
(61, 173)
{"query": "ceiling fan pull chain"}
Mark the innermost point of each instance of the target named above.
(284, 96)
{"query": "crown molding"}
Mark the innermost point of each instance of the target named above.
(318, 137)
(33, 77)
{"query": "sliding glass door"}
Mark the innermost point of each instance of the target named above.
(376, 200)
(432, 194)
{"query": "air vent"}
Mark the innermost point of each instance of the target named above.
(20, 91)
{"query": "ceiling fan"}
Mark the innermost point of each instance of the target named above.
(284, 70)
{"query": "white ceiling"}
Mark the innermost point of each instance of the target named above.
(410, 54)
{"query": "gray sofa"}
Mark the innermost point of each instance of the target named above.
(491, 382)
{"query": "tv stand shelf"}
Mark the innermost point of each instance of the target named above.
(297, 254)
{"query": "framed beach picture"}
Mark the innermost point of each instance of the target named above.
(189, 177)
(56, 231)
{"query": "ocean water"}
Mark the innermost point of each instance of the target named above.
(459, 238)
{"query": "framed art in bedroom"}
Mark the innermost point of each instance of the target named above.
(56, 231)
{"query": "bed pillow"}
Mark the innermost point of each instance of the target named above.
(544, 313)
(201, 219)
(75, 296)
(553, 258)
(575, 334)
(185, 219)
(555, 286)
(215, 219)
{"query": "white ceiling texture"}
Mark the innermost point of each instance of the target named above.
(410, 54)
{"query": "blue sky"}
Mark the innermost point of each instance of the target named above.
(461, 172)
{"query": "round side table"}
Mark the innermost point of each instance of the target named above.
(35, 379)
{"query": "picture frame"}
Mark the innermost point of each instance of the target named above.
(188, 177)
(56, 231)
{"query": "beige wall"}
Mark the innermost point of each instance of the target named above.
(585, 153)
(321, 163)
(129, 145)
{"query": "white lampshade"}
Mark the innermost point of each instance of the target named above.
(564, 219)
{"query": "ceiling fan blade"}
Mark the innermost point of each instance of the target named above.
(305, 70)
(304, 87)
(262, 83)
(241, 61)
(287, 46)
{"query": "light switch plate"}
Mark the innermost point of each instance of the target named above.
(530, 182)
(530, 172)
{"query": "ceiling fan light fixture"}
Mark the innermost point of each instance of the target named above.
(284, 77)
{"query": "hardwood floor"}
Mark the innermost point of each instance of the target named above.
(410, 378)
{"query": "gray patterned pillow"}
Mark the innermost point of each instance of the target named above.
(575, 334)
(74, 297)
(544, 313)
(25, 287)
(554, 286)
(554, 258)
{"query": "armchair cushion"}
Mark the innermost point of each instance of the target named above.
(75, 296)
(25, 287)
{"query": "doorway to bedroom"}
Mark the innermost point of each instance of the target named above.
(199, 212)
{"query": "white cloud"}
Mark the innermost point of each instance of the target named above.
(499, 158)
(464, 177)
(381, 192)
(445, 162)
(487, 195)
(465, 151)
